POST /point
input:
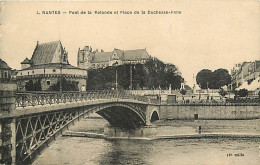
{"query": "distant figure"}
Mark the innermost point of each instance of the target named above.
(83, 88)
(199, 129)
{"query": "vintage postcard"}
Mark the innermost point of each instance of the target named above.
(130, 82)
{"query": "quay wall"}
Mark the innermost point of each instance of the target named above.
(212, 112)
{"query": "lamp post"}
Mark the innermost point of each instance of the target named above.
(61, 74)
(116, 85)
(131, 77)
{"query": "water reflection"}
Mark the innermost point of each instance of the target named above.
(193, 151)
(125, 152)
(79, 150)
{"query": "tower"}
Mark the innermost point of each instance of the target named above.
(84, 57)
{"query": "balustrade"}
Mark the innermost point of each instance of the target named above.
(24, 99)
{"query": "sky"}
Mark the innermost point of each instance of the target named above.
(206, 35)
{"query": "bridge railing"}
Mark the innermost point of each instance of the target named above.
(24, 99)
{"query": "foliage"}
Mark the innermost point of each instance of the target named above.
(203, 78)
(222, 92)
(183, 91)
(67, 85)
(213, 80)
(33, 86)
(151, 75)
(242, 93)
(221, 78)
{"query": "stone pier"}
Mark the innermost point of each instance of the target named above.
(142, 132)
(7, 125)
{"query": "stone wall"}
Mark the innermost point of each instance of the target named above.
(7, 97)
(206, 111)
(7, 126)
(52, 80)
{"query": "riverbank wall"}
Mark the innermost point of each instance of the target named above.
(206, 112)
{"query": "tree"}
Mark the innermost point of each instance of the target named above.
(67, 85)
(183, 91)
(221, 77)
(33, 86)
(29, 86)
(222, 92)
(37, 85)
(213, 80)
(242, 92)
(203, 78)
(150, 75)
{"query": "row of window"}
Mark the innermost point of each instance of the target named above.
(54, 70)
(100, 65)
(48, 82)
(124, 62)
(5, 74)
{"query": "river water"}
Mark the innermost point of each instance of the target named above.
(81, 150)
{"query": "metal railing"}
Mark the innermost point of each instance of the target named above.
(24, 99)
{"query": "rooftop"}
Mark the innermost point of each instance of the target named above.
(3, 65)
(52, 66)
(44, 53)
(26, 61)
(136, 54)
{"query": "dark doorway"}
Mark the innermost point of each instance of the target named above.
(154, 117)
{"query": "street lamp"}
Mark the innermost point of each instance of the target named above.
(116, 85)
(61, 74)
(131, 77)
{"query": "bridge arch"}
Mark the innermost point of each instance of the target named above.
(121, 115)
(36, 131)
(154, 116)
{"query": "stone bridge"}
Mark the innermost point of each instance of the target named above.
(31, 121)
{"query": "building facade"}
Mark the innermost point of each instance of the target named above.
(89, 59)
(245, 72)
(48, 65)
(5, 71)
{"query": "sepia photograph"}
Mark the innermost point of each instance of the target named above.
(121, 82)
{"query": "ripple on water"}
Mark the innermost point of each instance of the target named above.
(78, 150)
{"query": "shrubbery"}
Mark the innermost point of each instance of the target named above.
(33, 86)
(67, 85)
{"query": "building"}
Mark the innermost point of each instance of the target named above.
(5, 72)
(245, 72)
(49, 63)
(88, 59)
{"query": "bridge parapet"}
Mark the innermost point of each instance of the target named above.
(7, 125)
(24, 99)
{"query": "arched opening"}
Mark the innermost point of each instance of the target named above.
(120, 116)
(154, 116)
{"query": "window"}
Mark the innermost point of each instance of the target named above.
(5, 74)
(54, 70)
(33, 71)
(48, 82)
(21, 73)
(28, 73)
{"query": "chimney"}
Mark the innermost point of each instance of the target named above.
(37, 42)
